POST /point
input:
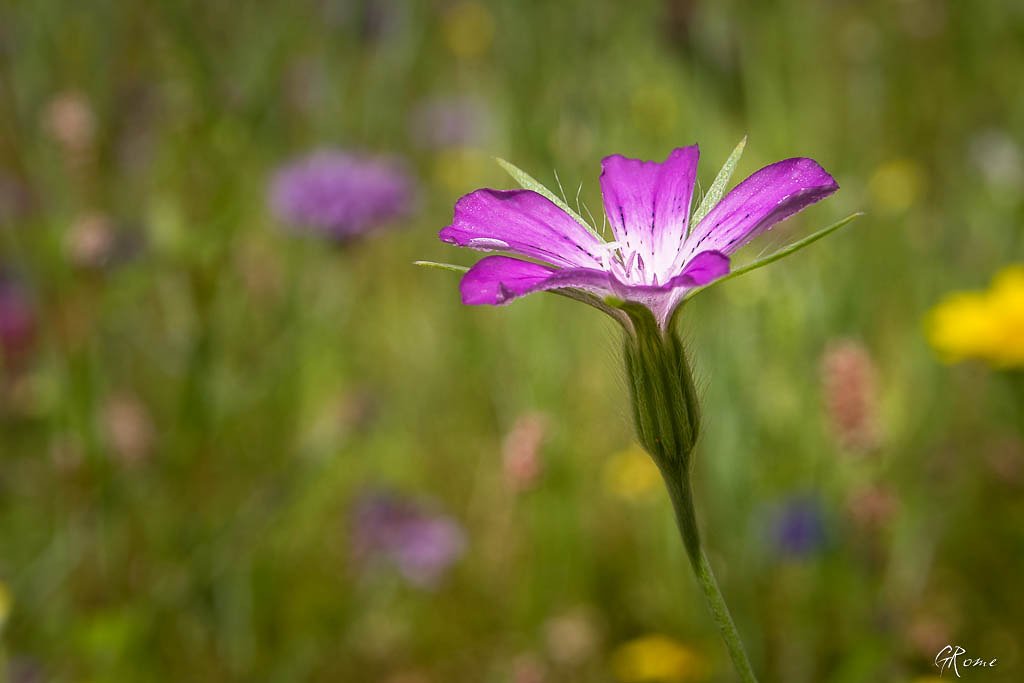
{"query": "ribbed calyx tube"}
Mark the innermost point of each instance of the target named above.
(666, 411)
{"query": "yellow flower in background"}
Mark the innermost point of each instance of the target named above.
(986, 325)
(5, 604)
(657, 659)
(455, 169)
(468, 29)
(961, 326)
(632, 475)
(896, 185)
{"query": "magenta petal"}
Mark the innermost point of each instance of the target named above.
(703, 268)
(499, 279)
(663, 299)
(523, 222)
(770, 195)
(648, 203)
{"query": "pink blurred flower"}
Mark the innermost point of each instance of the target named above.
(573, 637)
(529, 668)
(872, 507)
(70, 122)
(522, 463)
(850, 395)
(129, 429)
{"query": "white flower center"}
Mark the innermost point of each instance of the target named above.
(626, 264)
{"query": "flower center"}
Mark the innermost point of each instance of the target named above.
(626, 264)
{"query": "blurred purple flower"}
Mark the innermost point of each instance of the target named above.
(798, 527)
(442, 122)
(341, 195)
(17, 321)
(421, 545)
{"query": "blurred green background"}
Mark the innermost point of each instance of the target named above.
(194, 400)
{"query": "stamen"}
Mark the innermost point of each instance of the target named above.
(608, 253)
(629, 263)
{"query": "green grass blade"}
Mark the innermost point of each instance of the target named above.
(528, 182)
(441, 266)
(717, 189)
(781, 253)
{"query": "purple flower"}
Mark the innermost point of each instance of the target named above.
(419, 544)
(17, 322)
(656, 256)
(341, 195)
(449, 122)
(798, 527)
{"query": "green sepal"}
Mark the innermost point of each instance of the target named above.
(666, 410)
(614, 301)
(776, 255)
(441, 266)
(717, 189)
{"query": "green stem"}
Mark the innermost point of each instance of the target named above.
(682, 502)
(666, 412)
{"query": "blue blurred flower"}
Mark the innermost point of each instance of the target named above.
(341, 195)
(797, 527)
(420, 544)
